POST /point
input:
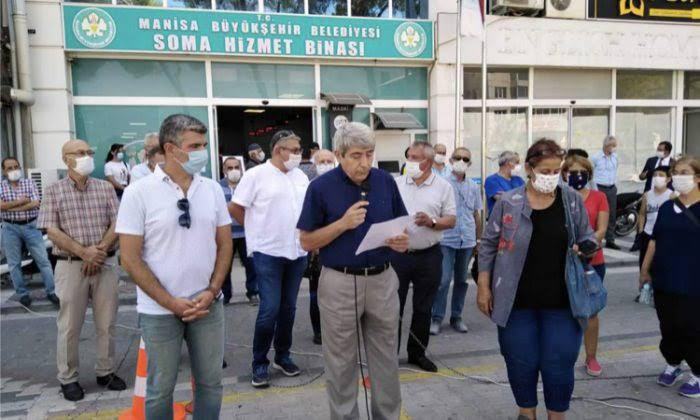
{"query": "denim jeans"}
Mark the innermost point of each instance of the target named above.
(163, 335)
(545, 341)
(454, 262)
(278, 282)
(12, 237)
(251, 283)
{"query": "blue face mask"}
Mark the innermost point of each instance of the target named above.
(198, 160)
(120, 156)
(578, 180)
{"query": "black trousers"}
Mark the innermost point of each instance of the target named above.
(611, 194)
(313, 272)
(680, 329)
(425, 272)
(644, 239)
(251, 283)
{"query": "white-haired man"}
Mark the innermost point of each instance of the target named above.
(605, 177)
(145, 168)
(504, 180)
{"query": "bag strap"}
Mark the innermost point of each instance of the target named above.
(687, 211)
(569, 219)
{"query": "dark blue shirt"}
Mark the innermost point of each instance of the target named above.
(676, 264)
(236, 228)
(497, 184)
(329, 197)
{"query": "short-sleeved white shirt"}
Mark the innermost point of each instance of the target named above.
(434, 197)
(181, 259)
(273, 200)
(119, 171)
(140, 171)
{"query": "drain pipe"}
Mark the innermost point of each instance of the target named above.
(24, 94)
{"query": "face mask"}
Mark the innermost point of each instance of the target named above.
(440, 159)
(197, 161)
(292, 162)
(323, 168)
(659, 181)
(234, 175)
(579, 181)
(413, 169)
(545, 183)
(613, 150)
(261, 156)
(518, 168)
(684, 183)
(14, 175)
(120, 156)
(460, 166)
(84, 165)
(661, 155)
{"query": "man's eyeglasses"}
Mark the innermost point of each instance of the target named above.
(185, 220)
(83, 153)
(463, 159)
(294, 151)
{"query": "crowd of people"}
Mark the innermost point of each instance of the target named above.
(303, 213)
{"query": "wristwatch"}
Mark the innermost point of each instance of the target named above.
(434, 223)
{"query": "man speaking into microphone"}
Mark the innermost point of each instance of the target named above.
(356, 292)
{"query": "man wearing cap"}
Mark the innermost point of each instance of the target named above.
(267, 202)
(256, 156)
(150, 148)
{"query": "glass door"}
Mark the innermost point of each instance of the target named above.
(551, 123)
(572, 127)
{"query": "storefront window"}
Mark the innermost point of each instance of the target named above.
(572, 84)
(411, 9)
(152, 3)
(328, 7)
(106, 77)
(371, 8)
(639, 131)
(502, 83)
(284, 6)
(104, 125)
(376, 82)
(692, 85)
(238, 80)
(638, 84)
(189, 4)
(244, 5)
(589, 128)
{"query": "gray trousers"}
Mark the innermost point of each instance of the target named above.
(611, 195)
(378, 313)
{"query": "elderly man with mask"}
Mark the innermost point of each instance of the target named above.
(605, 165)
(356, 290)
(267, 202)
(440, 165)
(504, 180)
(256, 156)
(430, 201)
(145, 168)
(79, 213)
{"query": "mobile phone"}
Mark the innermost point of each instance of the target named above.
(588, 247)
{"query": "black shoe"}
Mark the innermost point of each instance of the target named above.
(53, 299)
(224, 365)
(25, 300)
(423, 363)
(72, 391)
(286, 366)
(317, 339)
(112, 382)
(612, 245)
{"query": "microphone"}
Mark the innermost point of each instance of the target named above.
(364, 189)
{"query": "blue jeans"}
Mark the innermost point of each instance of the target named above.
(163, 335)
(545, 341)
(454, 261)
(12, 237)
(600, 269)
(278, 282)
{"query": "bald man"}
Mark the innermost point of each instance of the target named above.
(150, 147)
(324, 161)
(79, 214)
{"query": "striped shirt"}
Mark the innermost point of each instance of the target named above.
(85, 216)
(27, 189)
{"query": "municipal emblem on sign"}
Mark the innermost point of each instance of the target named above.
(94, 27)
(410, 39)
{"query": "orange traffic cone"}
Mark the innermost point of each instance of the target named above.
(138, 406)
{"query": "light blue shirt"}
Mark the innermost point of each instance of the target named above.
(468, 200)
(445, 173)
(605, 168)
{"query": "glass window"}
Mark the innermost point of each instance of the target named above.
(643, 84)
(638, 132)
(358, 114)
(411, 9)
(502, 83)
(245, 5)
(572, 84)
(692, 85)
(589, 126)
(98, 77)
(284, 6)
(371, 8)
(376, 82)
(89, 1)
(328, 7)
(152, 3)
(551, 123)
(104, 125)
(506, 129)
(238, 80)
(190, 4)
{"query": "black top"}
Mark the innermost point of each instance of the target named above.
(542, 284)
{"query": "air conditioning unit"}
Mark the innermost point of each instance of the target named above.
(502, 6)
(567, 9)
(44, 177)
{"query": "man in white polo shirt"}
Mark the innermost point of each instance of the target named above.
(430, 202)
(175, 238)
(268, 202)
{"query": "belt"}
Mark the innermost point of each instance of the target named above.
(20, 222)
(605, 186)
(362, 271)
(422, 251)
(72, 258)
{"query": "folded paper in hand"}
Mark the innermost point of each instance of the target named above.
(379, 233)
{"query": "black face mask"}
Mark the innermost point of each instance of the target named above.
(578, 180)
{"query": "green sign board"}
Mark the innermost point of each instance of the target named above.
(160, 30)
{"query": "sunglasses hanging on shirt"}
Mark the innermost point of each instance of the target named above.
(185, 220)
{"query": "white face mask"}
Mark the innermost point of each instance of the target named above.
(413, 169)
(545, 183)
(460, 166)
(661, 155)
(659, 181)
(518, 168)
(261, 156)
(292, 162)
(322, 168)
(440, 159)
(684, 183)
(234, 175)
(15, 175)
(84, 165)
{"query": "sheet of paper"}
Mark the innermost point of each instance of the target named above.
(378, 233)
